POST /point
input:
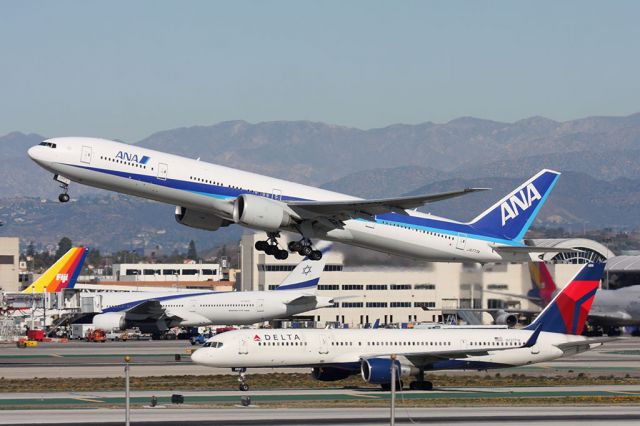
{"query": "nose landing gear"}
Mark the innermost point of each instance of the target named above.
(64, 184)
(241, 378)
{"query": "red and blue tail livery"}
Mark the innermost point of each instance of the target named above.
(568, 311)
(542, 285)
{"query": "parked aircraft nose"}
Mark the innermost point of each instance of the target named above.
(198, 356)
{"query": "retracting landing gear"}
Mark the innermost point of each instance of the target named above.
(241, 378)
(270, 246)
(64, 184)
(303, 248)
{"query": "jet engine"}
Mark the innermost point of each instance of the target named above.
(110, 321)
(378, 370)
(262, 213)
(329, 374)
(200, 220)
(504, 318)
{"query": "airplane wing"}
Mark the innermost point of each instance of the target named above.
(343, 210)
(145, 310)
(302, 300)
(584, 345)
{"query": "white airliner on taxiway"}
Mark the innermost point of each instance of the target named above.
(156, 312)
(209, 196)
(335, 354)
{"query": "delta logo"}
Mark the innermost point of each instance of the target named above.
(132, 158)
(256, 338)
(519, 202)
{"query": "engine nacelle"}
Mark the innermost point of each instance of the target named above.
(378, 370)
(330, 374)
(200, 220)
(110, 321)
(262, 213)
(504, 318)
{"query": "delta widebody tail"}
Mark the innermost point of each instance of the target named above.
(335, 354)
(209, 196)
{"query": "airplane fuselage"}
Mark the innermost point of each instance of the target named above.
(208, 308)
(346, 348)
(206, 187)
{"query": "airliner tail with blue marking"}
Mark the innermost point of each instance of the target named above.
(511, 217)
(209, 196)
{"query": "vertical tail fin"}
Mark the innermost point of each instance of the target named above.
(511, 217)
(543, 287)
(63, 274)
(306, 274)
(568, 311)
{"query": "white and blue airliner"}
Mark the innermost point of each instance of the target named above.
(209, 196)
(155, 312)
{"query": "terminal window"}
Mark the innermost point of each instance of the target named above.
(376, 287)
(425, 287)
(7, 260)
(424, 304)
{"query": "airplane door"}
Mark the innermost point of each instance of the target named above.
(277, 194)
(85, 156)
(260, 305)
(243, 349)
(371, 224)
(192, 305)
(324, 345)
(163, 170)
(462, 241)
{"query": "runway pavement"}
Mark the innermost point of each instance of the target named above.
(461, 416)
(158, 358)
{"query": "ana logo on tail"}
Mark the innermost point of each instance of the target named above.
(518, 202)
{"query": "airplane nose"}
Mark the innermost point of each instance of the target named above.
(198, 356)
(36, 154)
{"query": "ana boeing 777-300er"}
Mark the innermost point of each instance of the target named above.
(209, 196)
(159, 311)
(335, 354)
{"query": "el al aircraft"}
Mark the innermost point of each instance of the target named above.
(156, 312)
(335, 354)
(209, 196)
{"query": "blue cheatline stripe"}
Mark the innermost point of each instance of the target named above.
(526, 226)
(577, 306)
(76, 273)
(305, 284)
(222, 192)
(133, 304)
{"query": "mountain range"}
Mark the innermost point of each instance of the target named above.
(597, 156)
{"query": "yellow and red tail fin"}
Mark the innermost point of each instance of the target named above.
(63, 274)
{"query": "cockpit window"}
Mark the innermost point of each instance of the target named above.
(212, 345)
(49, 144)
(206, 344)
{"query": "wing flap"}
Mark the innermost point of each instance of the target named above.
(342, 210)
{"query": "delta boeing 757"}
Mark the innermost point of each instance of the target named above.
(335, 354)
(209, 196)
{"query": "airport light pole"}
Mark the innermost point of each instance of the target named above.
(393, 390)
(127, 418)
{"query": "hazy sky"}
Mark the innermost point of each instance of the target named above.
(126, 69)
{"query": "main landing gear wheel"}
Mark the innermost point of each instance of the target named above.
(241, 378)
(64, 197)
(270, 246)
(303, 248)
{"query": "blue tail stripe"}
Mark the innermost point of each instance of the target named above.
(76, 273)
(304, 284)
